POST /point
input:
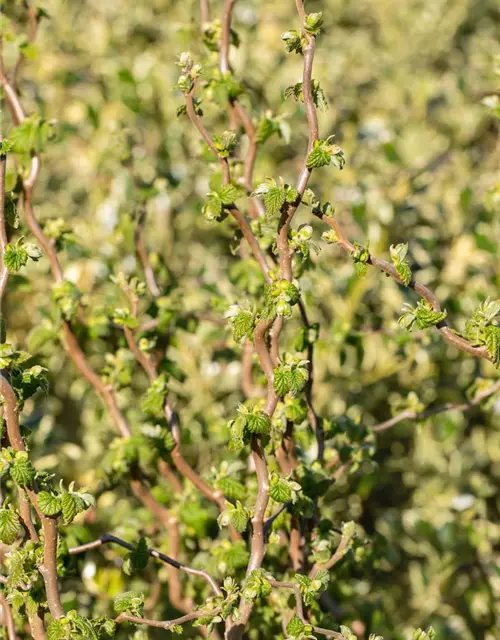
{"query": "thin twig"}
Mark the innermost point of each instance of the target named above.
(8, 618)
(449, 406)
(444, 329)
(48, 568)
(108, 537)
(167, 624)
(299, 608)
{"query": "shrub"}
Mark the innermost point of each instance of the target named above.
(232, 433)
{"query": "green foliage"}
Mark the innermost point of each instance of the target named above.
(126, 189)
(275, 196)
(324, 153)
(236, 516)
(423, 316)
(153, 400)
(256, 585)
(32, 135)
(67, 297)
(16, 256)
(137, 560)
(283, 489)
(130, 603)
(298, 629)
(10, 526)
(482, 329)
(243, 321)
(398, 255)
(290, 376)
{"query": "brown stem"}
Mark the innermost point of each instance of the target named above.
(4, 274)
(8, 618)
(149, 274)
(226, 36)
(171, 562)
(233, 209)
(48, 570)
(123, 617)
(336, 557)
(444, 329)
(285, 255)
(32, 29)
(314, 419)
(299, 608)
(204, 12)
(449, 406)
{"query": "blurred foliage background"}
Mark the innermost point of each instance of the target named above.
(405, 83)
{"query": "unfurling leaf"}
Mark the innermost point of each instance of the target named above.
(258, 423)
(236, 516)
(10, 525)
(492, 342)
(398, 254)
(323, 153)
(49, 503)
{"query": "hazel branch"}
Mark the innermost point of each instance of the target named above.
(167, 624)
(224, 164)
(299, 608)
(444, 329)
(109, 538)
(48, 569)
(7, 618)
(449, 406)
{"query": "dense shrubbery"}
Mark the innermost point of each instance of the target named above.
(245, 394)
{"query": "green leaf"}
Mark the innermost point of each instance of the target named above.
(295, 628)
(293, 41)
(236, 516)
(71, 505)
(279, 490)
(282, 380)
(347, 633)
(10, 525)
(274, 199)
(324, 153)
(57, 630)
(398, 254)
(298, 379)
(228, 194)
(139, 557)
(492, 342)
(259, 423)
(22, 471)
(232, 488)
(319, 157)
(404, 272)
(313, 23)
(15, 257)
(31, 135)
(67, 297)
(130, 603)
(243, 321)
(49, 503)
(153, 401)
(426, 316)
(256, 585)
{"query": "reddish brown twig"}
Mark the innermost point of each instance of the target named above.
(444, 329)
(171, 562)
(408, 414)
(7, 618)
(167, 624)
(48, 569)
